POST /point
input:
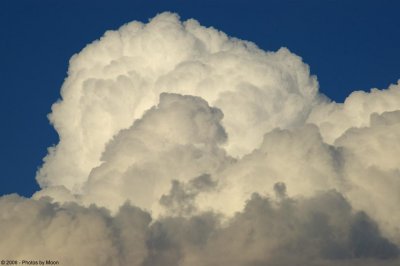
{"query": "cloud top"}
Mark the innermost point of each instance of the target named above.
(114, 80)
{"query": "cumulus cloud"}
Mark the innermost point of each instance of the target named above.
(334, 119)
(320, 230)
(114, 80)
(173, 136)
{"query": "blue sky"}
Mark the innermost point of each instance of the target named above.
(349, 45)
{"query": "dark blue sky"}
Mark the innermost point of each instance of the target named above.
(349, 45)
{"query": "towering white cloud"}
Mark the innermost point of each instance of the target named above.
(113, 81)
(173, 136)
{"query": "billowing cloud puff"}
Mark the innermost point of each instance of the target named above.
(334, 119)
(173, 136)
(113, 81)
(176, 140)
(321, 230)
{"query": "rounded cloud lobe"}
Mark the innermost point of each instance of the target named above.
(113, 81)
(173, 137)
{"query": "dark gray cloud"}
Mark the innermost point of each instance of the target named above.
(181, 198)
(319, 230)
